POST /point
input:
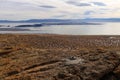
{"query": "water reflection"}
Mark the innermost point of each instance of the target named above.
(105, 29)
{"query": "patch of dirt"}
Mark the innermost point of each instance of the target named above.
(59, 57)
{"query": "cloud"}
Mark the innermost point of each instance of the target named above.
(99, 3)
(26, 9)
(82, 4)
(85, 3)
(59, 16)
(88, 12)
(47, 6)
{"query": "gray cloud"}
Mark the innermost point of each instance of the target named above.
(99, 3)
(71, 2)
(47, 6)
(84, 4)
(78, 3)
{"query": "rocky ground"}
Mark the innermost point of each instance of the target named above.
(59, 57)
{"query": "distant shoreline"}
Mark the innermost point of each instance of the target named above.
(13, 29)
(68, 23)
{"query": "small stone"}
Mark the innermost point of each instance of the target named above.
(72, 58)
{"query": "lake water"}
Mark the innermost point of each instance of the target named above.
(104, 29)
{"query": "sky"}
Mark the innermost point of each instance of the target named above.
(58, 9)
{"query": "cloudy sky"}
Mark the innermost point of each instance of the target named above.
(59, 9)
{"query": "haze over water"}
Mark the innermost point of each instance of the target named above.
(104, 29)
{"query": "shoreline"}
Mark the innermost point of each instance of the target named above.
(52, 34)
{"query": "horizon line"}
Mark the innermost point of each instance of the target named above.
(55, 18)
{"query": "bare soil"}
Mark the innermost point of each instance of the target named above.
(59, 57)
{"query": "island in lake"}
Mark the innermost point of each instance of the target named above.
(48, 24)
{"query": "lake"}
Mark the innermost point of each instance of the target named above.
(104, 29)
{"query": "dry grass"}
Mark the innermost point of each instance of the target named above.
(60, 41)
(26, 57)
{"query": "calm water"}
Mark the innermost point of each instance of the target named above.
(105, 29)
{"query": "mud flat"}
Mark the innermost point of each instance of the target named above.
(59, 57)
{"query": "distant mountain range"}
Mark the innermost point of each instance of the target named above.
(37, 20)
(102, 19)
(64, 20)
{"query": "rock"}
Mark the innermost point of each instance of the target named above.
(72, 58)
(83, 68)
(73, 61)
(112, 37)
